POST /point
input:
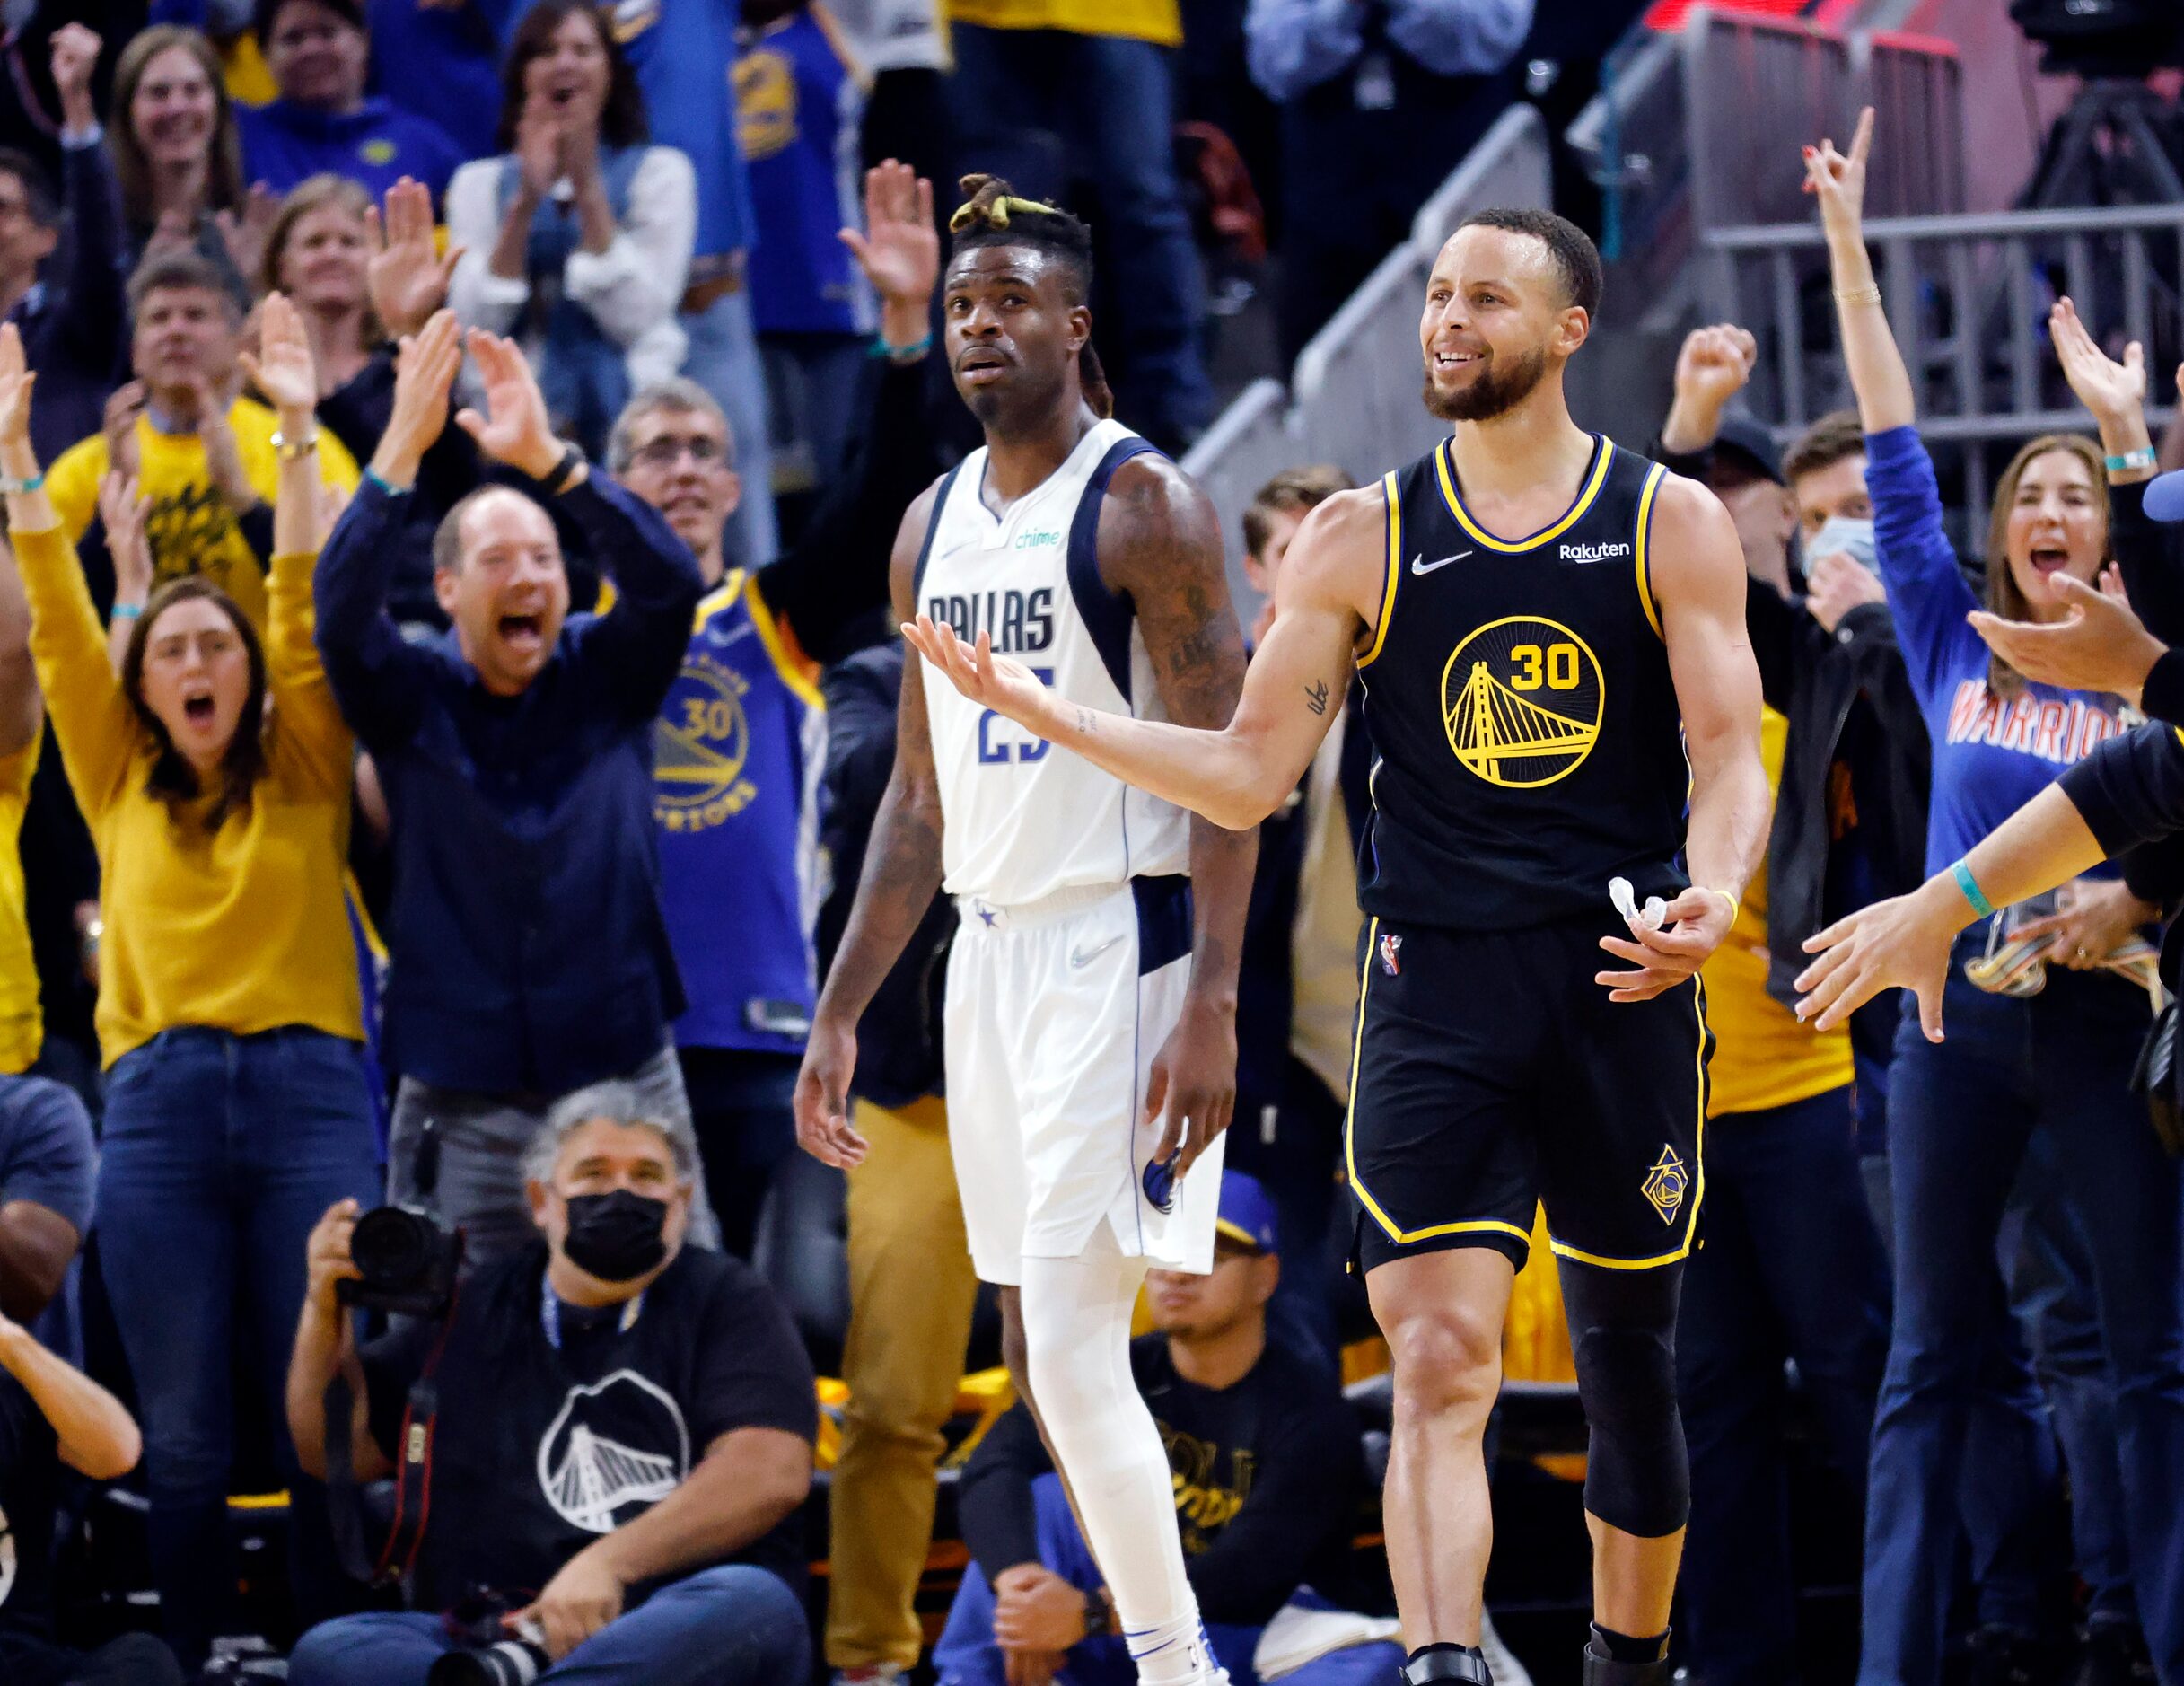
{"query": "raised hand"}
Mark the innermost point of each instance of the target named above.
(1712, 368)
(406, 277)
(1837, 179)
(282, 370)
(124, 510)
(245, 235)
(15, 383)
(222, 456)
(900, 250)
(2112, 391)
(515, 428)
(75, 54)
(425, 369)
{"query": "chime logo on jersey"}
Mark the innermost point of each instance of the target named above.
(1018, 622)
(1521, 700)
(1666, 1184)
(1391, 953)
(700, 744)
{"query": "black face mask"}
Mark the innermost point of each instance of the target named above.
(616, 1237)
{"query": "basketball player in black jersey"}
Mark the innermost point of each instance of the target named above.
(1551, 635)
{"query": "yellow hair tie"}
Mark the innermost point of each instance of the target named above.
(997, 213)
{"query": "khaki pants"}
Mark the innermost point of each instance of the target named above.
(911, 1290)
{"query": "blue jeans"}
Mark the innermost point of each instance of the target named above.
(1038, 106)
(1962, 1115)
(722, 357)
(732, 1626)
(220, 1155)
(966, 1654)
(1791, 1267)
(2051, 1266)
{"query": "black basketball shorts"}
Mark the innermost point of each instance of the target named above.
(1491, 1073)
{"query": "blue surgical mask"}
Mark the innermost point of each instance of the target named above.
(1846, 533)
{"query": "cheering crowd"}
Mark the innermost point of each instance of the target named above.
(468, 832)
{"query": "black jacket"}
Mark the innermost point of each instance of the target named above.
(1815, 678)
(898, 1039)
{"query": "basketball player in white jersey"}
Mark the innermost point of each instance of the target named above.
(1091, 1034)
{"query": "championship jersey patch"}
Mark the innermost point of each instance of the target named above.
(1521, 700)
(1666, 1184)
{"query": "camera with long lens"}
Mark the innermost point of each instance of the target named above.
(486, 1654)
(406, 1263)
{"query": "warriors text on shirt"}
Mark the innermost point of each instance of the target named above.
(2049, 728)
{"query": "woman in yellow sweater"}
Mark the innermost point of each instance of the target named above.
(214, 772)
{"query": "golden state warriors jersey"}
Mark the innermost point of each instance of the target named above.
(1518, 694)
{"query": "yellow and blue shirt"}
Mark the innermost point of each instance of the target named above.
(736, 758)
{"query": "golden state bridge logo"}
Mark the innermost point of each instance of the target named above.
(700, 744)
(1522, 699)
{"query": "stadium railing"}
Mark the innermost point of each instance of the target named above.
(1967, 298)
(1354, 397)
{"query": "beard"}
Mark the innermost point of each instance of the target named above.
(1494, 393)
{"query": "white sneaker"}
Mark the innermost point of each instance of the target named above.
(1501, 1661)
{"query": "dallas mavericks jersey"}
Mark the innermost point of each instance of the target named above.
(736, 758)
(1021, 820)
(1518, 697)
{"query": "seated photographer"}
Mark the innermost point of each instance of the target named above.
(50, 1414)
(1268, 1471)
(620, 1444)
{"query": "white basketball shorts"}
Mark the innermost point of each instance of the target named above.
(1056, 1011)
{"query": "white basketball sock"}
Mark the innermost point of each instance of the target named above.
(1077, 1318)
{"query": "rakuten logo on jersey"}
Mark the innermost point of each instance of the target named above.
(1594, 552)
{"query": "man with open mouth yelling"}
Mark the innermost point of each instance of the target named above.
(529, 951)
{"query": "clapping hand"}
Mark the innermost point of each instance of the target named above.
(425, 369)
(900, 250)
(282, 370)
(406, 277)
(515, 428)
(2101, 644)
(1837, 179)
(245, 235)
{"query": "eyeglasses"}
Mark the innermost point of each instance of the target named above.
(665, 453)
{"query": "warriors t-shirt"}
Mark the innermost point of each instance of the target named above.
(557, 1425)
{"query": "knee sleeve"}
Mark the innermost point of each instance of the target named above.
(1623, 1331)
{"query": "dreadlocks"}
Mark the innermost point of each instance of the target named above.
(992, 214)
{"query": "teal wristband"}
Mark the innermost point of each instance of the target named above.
(125, 612)
(2142, 458)
(1969, 886)
(21, 488)
(385, 485)
(911, 353)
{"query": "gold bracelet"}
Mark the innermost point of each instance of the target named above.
(293, 450)
(1870, 294)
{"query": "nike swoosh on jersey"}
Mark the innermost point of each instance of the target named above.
(1083, 957)
(1419, 565)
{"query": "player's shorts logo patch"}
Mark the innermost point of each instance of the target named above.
(1521, 700)
(1391, 954)
(1666, 1184)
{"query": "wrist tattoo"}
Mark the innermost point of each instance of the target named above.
(1084, 722)
(1315, 696)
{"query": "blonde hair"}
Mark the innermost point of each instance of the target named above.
(313, 193)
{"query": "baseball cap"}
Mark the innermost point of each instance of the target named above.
(1750, 442)
(265, 13)
(1247, 1213)
(2165, 496)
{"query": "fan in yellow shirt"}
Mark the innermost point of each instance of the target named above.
(21, 726)
(206, 464)
(1159, 21)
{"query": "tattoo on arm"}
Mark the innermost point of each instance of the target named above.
(1315, 696)
(1085, 722)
